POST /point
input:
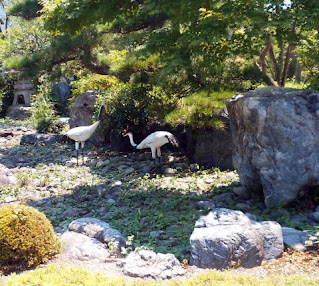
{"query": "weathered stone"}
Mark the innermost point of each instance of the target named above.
(242, 192)
(69, 213)
(35, 138)
(18, 111)
(62, 91)
(295, 239)
(275, 133)
(273, 240)
(82, 112)
(225, 197)
(100, 230)
(156, 233)
(224, 237)
(315, 216)
(194, 167)
(6, 176)
(81, 247)
(205, 205)
(148, 264)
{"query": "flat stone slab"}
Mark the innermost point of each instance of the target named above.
(84, 248)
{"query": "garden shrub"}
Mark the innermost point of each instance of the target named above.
(26, 238)
(132, 106)
(6, 92)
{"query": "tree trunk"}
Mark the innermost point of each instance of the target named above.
(262, 57)
(297, 70)
(288, 58)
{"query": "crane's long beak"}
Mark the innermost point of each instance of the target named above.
(125, 135)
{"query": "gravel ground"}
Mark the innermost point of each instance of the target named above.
(62, 177)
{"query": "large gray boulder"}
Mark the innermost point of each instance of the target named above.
(276, 138)
(224, 238)
(81, 114)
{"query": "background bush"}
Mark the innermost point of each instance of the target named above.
(6, 92)
(26, 238)
(132, 106)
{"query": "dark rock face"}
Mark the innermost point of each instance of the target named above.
(63, 92)
(276, 138)
(213, 148)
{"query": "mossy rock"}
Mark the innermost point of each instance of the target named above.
(26, 239)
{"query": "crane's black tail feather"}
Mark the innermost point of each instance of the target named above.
(172, 140)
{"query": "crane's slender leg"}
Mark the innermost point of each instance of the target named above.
(82, 149)
(77, 152)
(153, 149)
(159, 155)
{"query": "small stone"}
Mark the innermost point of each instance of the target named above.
(242, 192)
(69, 213)
(295, 239)
(156, 233)
(146, 169)
(103, 211)
(231, 175)
(315, 216)
(111, 201)
(116, 183)
(102, 163)
(193, 167)
(169, 172)
(205, 205)
(128, 170)
(242, 206)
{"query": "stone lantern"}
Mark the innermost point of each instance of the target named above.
(23, 90)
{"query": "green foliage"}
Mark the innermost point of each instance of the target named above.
(6, 92)
(96, 82)
(200, 109)
(60, 276)
(20, 47)
(308, 53)
(27, 238)
(27, 9)
(131, 107)
(43, 109)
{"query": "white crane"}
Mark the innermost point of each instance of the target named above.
(82, 133)
(154, 141)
